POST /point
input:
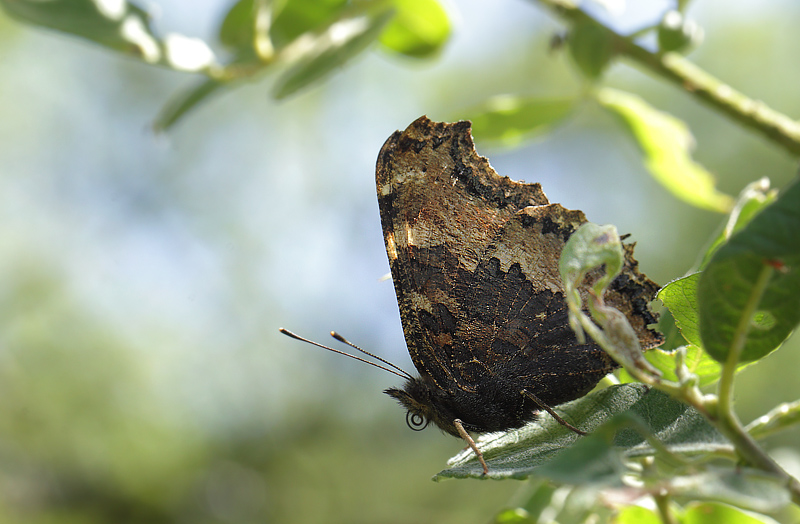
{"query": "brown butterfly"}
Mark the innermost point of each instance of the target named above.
(474, 260)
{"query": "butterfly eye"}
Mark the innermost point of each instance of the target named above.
(416, 421)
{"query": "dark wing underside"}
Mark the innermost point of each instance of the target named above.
(474, 258)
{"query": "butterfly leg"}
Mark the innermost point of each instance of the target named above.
(466, 436)
(550, 410)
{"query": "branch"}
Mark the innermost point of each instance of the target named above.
(752, 114)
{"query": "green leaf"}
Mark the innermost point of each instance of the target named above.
(325, 36)
(185, 102)
(247, 29)
(589, 247)
(522, 452)
(714, 513)
(509, 120)
(636, 515)
(513, 516)
(340, 42)
(121, 26)
(237, 30)
(749, 294)
(752, 199)
(680, 296)
(298, 17)
(91, 19)
(591, 460)
(695, 359)
(592, 246)
(419, 28)
(665, 142)
(289, 20)
(591, 47)
(672, 335)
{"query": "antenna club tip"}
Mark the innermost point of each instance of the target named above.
(289, 333)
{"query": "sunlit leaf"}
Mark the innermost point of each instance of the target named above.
(666, 144)
(714, 513)
(680, 296)
(752, 199)
(340, 42)
(247, 27)
(508, 120)
(419, 28)
(513, 516)
(298, 17)
(636, 515)
(696, 361)
(751, 286)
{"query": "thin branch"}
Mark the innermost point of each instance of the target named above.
(753, 114)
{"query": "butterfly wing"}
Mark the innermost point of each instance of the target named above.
(474, 261)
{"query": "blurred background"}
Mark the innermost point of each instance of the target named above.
(144, 276)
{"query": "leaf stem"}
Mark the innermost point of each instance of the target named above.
(780, 418)
(725, 388)
(752, 114)
(664, 511)
(725, 416)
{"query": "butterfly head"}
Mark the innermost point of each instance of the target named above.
(424, 404)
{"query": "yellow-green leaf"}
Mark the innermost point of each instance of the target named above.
(666, 144)
(419, 28)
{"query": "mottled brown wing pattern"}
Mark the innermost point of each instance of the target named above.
(431, 230)
(474, 261)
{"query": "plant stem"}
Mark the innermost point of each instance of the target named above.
(724, 416)
(780, 418)
(662, 503)
(725, 388)
(752, 114)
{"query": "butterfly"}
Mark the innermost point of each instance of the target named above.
(474, 261)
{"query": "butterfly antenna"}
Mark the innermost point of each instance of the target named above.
(402, 374)
(340, 338)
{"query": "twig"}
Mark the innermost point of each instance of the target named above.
(752, 114)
